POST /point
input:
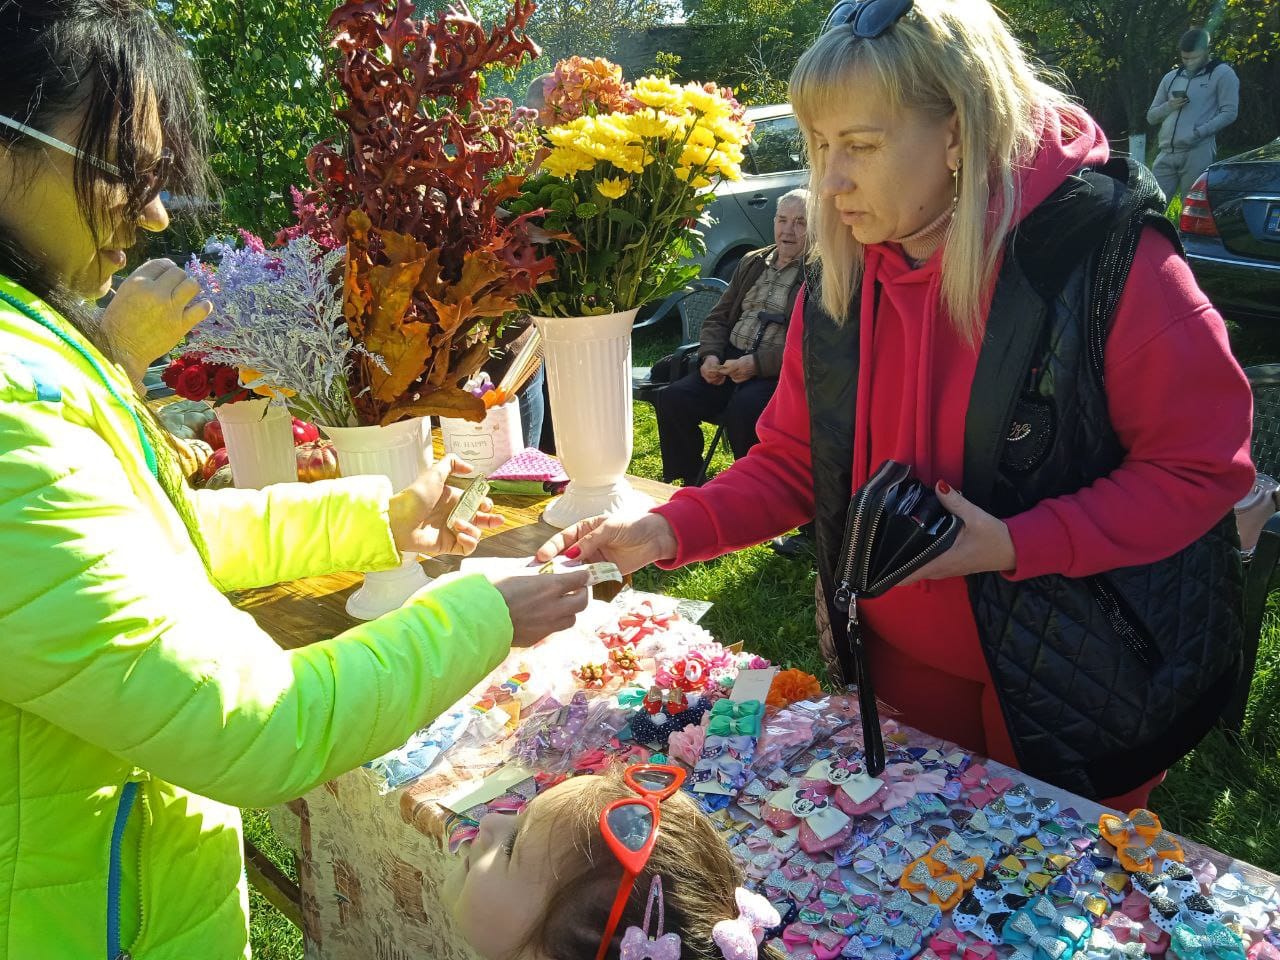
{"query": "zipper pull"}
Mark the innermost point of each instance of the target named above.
(853, 613)
(844, 596)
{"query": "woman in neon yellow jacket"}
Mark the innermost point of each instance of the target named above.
(138, 707)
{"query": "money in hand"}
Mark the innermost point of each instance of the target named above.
(465, 510)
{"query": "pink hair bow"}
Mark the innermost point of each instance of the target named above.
(982, 788)
(636, 944)
(906, 780)
(740, 938)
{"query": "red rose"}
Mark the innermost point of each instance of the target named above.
(193, 383)
(172, 372)
(226, 380)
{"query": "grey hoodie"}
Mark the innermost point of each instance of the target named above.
(1214, 100)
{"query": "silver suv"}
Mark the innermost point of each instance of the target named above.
(743, 211)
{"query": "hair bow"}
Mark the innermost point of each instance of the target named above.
(780, 884)
(1091, 903)
(1249, 904)
(1235, 889)
(1021, 928)
(801, 864)
(1120, 831)
(1162, 845)
(1177, 881)
(1216, 943)
(945, 891)
(1074, 929)
(905, 780)
(730, 719)
(968, 869)
(740, 938)
(982, 789)
(763, 864)
(1104, 946)
(823, 944)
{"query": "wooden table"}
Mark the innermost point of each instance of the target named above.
(303, 611)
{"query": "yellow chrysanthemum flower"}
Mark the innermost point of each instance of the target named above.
(565, 162)
(655, 125)
(657, 92)
(615, 188)
(705, 102)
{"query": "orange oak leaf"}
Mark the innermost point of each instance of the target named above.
(447, 401)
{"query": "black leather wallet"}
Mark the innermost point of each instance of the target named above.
(895, 526)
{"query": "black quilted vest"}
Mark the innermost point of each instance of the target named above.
(1103, 681)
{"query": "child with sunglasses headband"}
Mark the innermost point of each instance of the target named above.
(617, 867)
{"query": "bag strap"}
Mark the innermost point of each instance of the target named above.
(1141, 204)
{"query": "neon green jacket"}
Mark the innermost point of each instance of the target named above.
(138, 707)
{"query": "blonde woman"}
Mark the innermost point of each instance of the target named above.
(1084, 626)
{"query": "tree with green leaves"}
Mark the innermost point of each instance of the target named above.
(757, 42)
(269, 98)
(1115, 51)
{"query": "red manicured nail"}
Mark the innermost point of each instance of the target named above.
(573, 553)
(944, 487)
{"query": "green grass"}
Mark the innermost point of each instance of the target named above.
(1226, 794)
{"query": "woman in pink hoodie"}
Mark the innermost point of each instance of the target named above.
(934, 147)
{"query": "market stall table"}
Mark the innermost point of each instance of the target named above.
(372, 862)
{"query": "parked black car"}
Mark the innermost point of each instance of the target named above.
(1230, 226)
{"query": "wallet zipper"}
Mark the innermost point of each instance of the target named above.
(934, 549)
(846, 593)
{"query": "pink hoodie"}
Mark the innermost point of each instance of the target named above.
(1178, 401)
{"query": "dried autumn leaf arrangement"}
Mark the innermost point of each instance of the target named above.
(433, 262)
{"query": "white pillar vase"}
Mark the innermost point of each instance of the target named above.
(259, 438)
(589, 377)
(399, 452)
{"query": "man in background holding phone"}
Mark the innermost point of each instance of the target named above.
(740, 350)
(1192, 103)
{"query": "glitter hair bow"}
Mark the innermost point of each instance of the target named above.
(1216, 943)
(1139, 858)
(1022, 929)
(945, 891)
(1123, 831)
(740, 938)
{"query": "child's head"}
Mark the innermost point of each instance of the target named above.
(539, 886)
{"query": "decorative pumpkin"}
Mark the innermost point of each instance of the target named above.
(221, 479)
(185, 419)
(192, 456)
(317, 460)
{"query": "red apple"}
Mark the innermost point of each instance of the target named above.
(213, 434)
(304, 432)
(220, 458)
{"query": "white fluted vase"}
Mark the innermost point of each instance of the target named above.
(259, 438)
(399, 452)
(589, 378)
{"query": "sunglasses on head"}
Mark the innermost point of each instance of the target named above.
(630, 829)
(868, 18)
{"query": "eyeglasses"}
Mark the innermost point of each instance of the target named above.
(147, 184)
(630, 829)
(868, 18)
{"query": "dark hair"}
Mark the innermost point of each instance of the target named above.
(699, 876)
(110, 60)
(1194, 40)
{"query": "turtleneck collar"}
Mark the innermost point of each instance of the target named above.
(918, 247)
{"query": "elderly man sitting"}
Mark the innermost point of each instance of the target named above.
(740, 350)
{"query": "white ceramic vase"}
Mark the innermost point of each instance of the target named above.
(259, 438)
(589, 376)
(399, 452)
